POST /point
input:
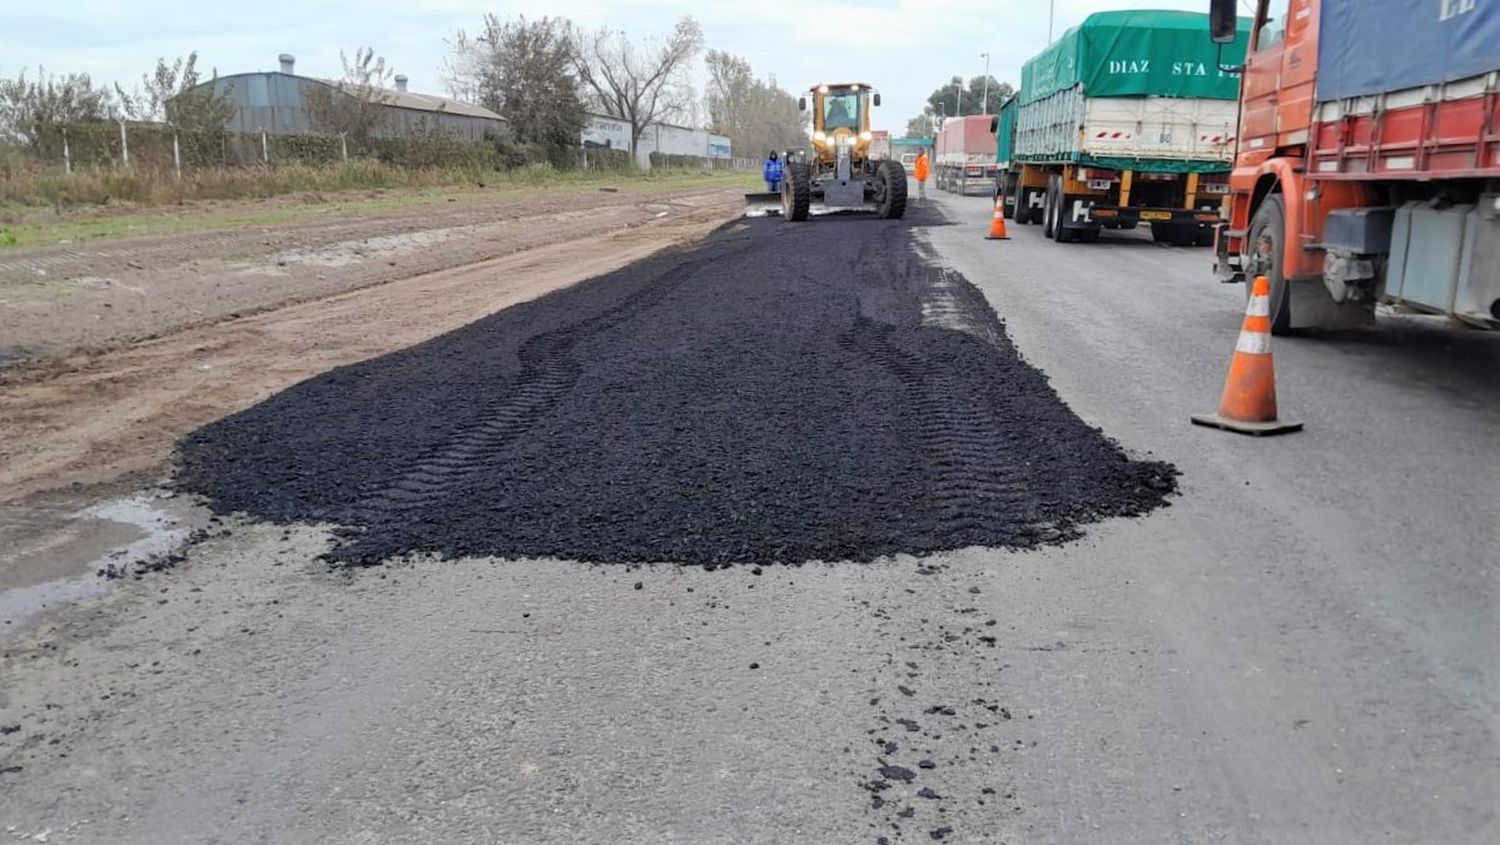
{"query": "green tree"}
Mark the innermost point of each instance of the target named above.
(921, 126)
(355, 105)
(525, 71)
(954, 99)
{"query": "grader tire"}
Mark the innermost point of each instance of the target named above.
(893, 189)
(796, 193)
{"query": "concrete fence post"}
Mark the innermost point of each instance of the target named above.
(67, 154)
(124, 146)
(176, 156)
(265, 148)
(344, 146)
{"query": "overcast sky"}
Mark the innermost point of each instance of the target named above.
(904, 47)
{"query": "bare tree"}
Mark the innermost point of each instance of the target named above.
(730, 86)
(756, 115)
(635, 85)
(525, 71)
(355, 105)
(26, 105)
(177, 94)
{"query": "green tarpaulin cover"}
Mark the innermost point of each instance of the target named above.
(1137, 53)
(1006, 136)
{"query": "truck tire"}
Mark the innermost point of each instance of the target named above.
(893, 189)
(1056, 199)
(1049, 212)
(1022, 215)
(1265, 243)
(796, 193)
(1161, 232)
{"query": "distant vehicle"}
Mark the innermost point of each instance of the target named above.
(1125, 119)
(908, 159)
(1368, 155)
(840, 172)
(966, 154)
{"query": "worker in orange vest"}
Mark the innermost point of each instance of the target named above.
(922, 171)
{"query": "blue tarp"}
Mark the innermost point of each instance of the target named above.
(1371, 46)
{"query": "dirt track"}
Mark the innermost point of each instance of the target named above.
(97, 422)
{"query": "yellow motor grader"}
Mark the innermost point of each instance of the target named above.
(838, 173)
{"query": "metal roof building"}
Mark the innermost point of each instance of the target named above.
(273, 101)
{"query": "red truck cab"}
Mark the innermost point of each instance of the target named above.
(1359, 186)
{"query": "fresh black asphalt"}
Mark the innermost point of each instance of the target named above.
(773, 394)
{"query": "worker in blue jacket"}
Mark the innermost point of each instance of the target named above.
(772, 173)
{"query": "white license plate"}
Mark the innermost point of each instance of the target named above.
(1214, 187)
(1099, 184)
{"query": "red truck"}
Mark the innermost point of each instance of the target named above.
(964, 158)
(1368, 161)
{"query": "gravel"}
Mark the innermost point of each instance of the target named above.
(780, 393)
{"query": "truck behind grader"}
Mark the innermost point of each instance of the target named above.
(839, 173)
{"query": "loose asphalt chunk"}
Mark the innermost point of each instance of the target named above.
(779, 393)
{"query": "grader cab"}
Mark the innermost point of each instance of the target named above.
(838, 173)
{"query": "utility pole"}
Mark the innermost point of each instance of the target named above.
(1051, 13)
(942, 118)
(985, 103)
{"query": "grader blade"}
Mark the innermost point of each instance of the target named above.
(763, 204)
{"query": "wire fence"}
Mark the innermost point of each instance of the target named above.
(175, 150)
(167, 148)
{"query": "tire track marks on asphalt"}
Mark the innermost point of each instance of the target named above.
(549, 371)
(978, 482)
(779, 393)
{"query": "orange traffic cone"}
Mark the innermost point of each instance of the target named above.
(997, 225)
(1249, 402)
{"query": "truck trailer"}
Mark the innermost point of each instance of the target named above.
(964, 160)
(1368, 168)
(1127, 118)
(1007, 170)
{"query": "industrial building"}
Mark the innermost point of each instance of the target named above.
(602, 131)
(273, 101)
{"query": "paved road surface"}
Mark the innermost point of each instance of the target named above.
(1300, 649)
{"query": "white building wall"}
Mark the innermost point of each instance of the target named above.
(614, 133)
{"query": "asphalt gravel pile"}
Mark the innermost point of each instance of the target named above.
(779, 393)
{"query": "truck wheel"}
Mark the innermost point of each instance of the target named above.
(1048, 207)
(1204, 237)
(1160, 232)
(796, 193)
(1265, 243)
(1182, 234)
(893, 189)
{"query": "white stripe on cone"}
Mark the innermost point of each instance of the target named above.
(1255, 343)
(1259, 306)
